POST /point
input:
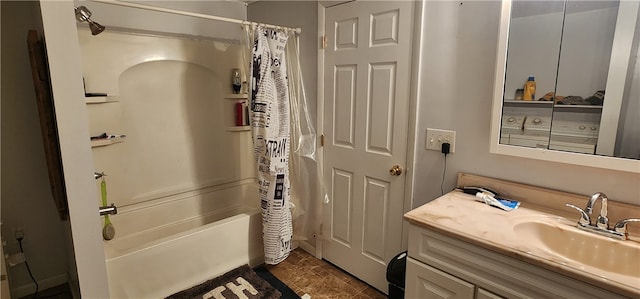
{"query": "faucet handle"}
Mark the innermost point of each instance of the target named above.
(621, 226)
(584, 217)
(602, 222)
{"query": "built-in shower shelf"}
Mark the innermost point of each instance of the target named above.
(99, 100)
(239, 128)
(237, 117)
(105, 142)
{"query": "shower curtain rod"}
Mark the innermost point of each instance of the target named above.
(297, 30)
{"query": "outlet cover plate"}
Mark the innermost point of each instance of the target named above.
(436, 137)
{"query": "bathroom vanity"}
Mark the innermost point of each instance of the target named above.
(462, 248)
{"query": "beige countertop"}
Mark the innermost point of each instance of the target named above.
(458, 215)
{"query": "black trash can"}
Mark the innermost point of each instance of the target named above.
(395, 275)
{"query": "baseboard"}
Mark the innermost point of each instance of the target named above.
(74, 285)
(43, 284)
(307, 247)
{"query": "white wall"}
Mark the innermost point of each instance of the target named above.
(171, 106)
(533, 51)
(459, 50)
(26, 198)
(581, 72)
(534, 48)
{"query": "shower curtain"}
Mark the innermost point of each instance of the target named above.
(284, 139)
(270, 130)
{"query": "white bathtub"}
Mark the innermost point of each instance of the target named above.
(163, 260)
(184, 183)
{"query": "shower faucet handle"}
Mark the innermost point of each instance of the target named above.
(108, 210)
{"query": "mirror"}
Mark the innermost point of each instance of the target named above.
(567, 85)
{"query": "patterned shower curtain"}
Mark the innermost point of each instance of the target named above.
(271, 139)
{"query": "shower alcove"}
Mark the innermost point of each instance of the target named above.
(183, 178)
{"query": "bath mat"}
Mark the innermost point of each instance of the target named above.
(241, 282)
(287, 293)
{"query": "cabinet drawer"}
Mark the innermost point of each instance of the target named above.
(424, 281)
(484, 294)
(500, 274)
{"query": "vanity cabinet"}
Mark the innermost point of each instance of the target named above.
(442, 266)
(424, 281)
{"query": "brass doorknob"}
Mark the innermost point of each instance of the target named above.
(395, 170)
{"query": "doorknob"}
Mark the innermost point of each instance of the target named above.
(395, 170)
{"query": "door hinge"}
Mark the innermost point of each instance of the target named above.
(322, 140)
(323, 42)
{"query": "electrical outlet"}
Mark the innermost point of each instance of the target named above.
(435, 139)
(18, 232)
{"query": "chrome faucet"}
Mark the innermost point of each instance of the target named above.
(619, 230)
(602, 221)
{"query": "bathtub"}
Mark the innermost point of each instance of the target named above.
(164, 259)
(183, 182)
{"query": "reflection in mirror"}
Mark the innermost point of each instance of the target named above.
(535, 34)
(587, 39)
(573, 53)
(628, 132)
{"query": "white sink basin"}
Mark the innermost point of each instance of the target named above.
(587, 248)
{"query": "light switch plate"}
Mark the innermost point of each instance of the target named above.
(436, 137)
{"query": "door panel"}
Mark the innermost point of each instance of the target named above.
(341, 214)
(367, 75)
(344, 114)
(382, 100)
(346, 34)
(376, 208)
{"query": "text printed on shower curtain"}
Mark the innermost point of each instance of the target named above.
(270, 129)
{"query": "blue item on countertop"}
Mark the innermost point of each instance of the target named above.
(501, 203)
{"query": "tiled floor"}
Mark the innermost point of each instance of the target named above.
(302, 272)
(305, 274)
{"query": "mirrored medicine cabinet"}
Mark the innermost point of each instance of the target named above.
(582, 57)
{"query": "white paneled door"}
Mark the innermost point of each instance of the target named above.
(367, 88)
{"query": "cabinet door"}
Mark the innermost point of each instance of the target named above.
(424, 281)
(484, 294)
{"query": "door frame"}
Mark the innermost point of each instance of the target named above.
(63, 55)
(414, 94)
